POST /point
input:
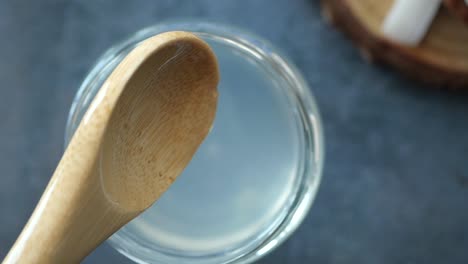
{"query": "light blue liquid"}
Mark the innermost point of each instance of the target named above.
(243, 175)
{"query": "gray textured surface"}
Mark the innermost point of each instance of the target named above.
(395, 186)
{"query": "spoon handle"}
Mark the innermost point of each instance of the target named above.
(73, 215)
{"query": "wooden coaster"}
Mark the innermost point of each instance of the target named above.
(459, 8)
(441, 58)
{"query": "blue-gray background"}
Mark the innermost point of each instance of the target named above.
(395, 185)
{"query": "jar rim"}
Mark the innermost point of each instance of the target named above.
(310, 117)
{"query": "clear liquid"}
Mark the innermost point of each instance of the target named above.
(243, 174)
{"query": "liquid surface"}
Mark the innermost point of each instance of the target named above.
(243, 174)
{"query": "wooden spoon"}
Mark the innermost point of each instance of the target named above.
(137, 136)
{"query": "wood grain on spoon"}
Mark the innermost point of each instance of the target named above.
(139, 133)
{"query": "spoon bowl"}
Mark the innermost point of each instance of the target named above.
(153, 133)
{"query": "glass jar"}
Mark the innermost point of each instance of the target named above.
(253, 179)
